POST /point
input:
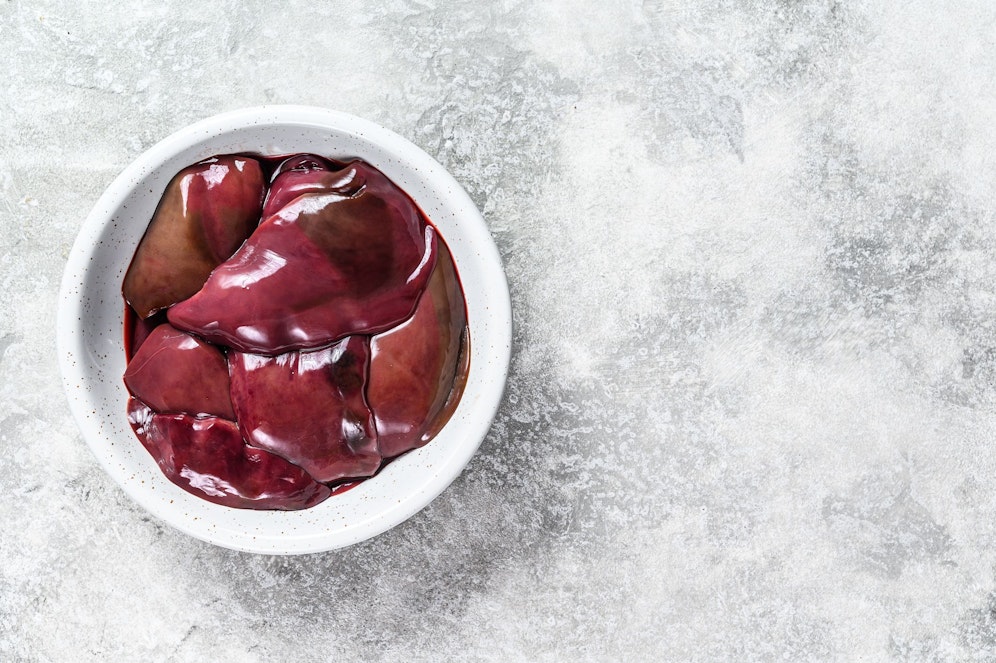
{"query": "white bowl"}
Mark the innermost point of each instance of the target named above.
(91, 311)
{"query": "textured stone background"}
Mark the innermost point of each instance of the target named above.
(752, 406)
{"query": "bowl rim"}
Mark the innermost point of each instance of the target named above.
(70, 332)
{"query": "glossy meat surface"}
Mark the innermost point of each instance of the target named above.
(310, 408)
(350, 261)
(303, 174)
(206, 213)
(413, 366)
(176, 372)
(288, 340)
(207, 457)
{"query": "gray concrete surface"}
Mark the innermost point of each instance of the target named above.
(752, 407)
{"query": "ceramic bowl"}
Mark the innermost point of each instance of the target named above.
(91, 311)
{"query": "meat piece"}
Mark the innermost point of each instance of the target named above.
(206, 213)
(176, 372)
(303, 174)
(309, 407)
(353, 260)
(208, 458)
(413, 367)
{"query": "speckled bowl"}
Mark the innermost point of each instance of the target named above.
(91, 312)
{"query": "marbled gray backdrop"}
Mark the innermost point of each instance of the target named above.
(752, 404)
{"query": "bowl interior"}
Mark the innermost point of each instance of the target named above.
(91, 340)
